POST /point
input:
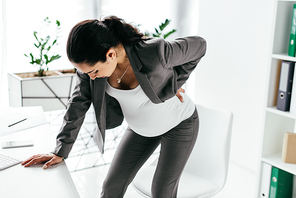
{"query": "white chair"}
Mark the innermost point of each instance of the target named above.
(206, 170)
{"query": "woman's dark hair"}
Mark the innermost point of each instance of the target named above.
(89, 40)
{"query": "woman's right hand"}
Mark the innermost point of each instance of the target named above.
(50, 159)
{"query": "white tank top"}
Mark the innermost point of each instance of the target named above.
(149, 119)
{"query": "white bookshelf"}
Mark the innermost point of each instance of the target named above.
(276, 122)
(276, 160)
(282, 113)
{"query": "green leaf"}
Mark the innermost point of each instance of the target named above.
(54, 42)
(32, 57)
(45, 42)
(156, 35)
(26, 55)
(47, 39)
(46, 59)
(55, 57)
(169, 33)
(156, 30)
(58, 23)
(163, 25)
(35, 35)
(49, 47)
(38, 61)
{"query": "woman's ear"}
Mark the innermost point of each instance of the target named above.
(111, 54)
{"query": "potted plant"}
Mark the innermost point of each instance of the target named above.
(45, 45)
(159, 32)
(49, 89)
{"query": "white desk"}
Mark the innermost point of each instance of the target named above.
(34, 182)
(34, 115)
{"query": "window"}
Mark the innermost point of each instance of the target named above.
(24, 17)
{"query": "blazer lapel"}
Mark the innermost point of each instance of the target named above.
(141, 77)
(99, 103)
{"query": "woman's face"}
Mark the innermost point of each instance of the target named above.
(100, 69)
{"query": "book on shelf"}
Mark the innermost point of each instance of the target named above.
(285, 85)
(292, 40)
(281, 184)
(265, 180)
(289, 148)
(293, 96)
(294, 187)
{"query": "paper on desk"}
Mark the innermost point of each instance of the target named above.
(13, 117)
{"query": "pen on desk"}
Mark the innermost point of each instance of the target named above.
(17, 122)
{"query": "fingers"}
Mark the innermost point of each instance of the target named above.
(27, 160)
(48, 158)
(179, 95)
(32, 160)
(181, 90)
(48, 164)
(54, 160)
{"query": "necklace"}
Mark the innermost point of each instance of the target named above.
(119, 79)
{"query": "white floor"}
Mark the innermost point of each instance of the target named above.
(88, 167)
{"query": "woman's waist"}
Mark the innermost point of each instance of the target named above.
(167, 113)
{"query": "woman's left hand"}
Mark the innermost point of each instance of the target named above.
(179, 95)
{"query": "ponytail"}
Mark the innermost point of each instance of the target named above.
(125, 33)
(89, 40)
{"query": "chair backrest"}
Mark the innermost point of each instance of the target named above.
(210, 156)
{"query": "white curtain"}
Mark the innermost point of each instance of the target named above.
(3, 57)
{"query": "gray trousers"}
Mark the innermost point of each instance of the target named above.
(134, 150)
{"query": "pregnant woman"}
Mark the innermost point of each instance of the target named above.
(126, 75)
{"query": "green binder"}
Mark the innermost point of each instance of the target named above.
(281, 184)
(292, 44)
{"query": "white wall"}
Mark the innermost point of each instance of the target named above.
(232, 75)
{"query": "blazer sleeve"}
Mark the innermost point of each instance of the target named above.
(185, 52)
(76, 109)
(182, 55)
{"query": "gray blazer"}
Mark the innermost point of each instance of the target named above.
(161, 68)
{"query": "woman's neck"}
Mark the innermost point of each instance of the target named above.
(122, 58)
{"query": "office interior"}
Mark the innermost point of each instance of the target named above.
(231, 76)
